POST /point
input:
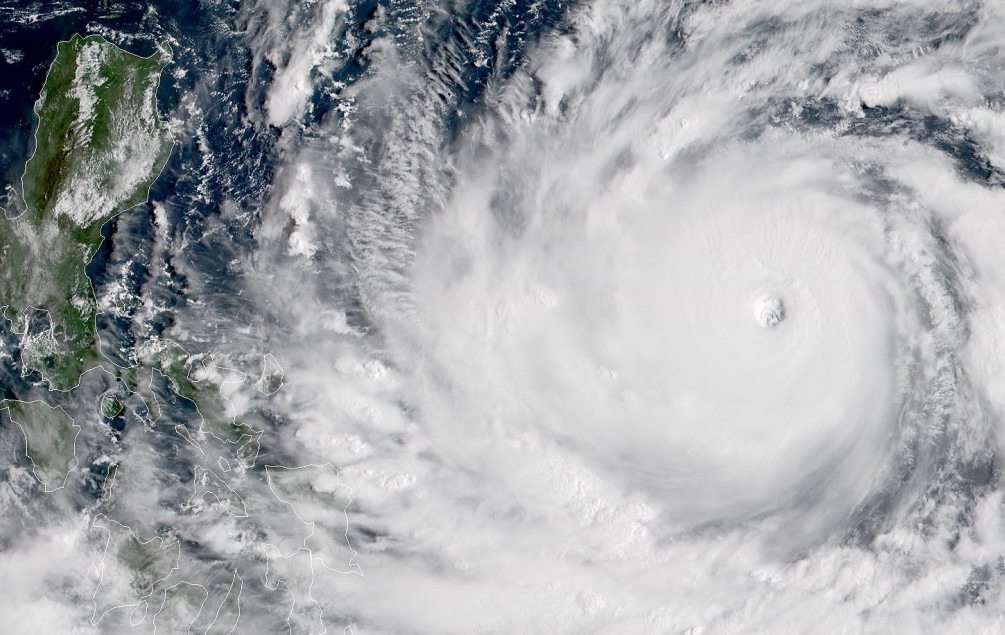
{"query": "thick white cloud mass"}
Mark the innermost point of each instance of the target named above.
(693, 327)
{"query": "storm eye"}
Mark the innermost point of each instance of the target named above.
(769, 311)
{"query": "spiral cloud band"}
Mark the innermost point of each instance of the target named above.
(699, 323)
(651, 334)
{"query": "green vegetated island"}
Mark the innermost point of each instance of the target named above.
(100, 144)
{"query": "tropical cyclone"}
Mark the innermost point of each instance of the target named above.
(99, 146)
